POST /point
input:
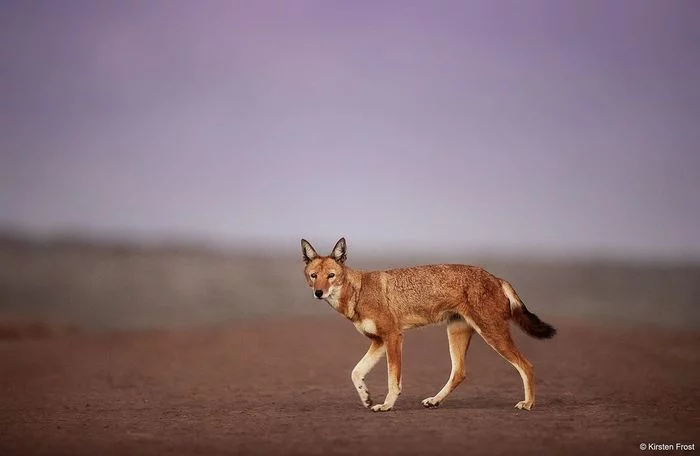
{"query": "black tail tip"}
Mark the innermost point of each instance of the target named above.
(546, 331)
(540, 329)
(532, 325)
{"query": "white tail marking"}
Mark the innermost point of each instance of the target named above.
(510, 294)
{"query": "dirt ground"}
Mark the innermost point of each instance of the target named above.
(283, 387)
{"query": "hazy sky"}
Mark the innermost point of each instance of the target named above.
(566, 126)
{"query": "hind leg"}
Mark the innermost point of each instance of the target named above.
(499, 338)
(459, 333)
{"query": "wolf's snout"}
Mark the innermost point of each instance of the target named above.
(318, 293)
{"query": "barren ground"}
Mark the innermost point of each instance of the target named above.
(283, 387)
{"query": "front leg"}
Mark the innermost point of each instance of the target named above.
(393, 344)
(373, 355)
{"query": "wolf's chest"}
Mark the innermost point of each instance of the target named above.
(366, 326)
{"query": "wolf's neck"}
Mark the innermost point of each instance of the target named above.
(346, 303)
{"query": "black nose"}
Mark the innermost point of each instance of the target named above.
(318, 293)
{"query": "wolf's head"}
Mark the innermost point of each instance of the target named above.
(324, 274)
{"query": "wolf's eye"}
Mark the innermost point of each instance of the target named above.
(331, 275)
(313, 275)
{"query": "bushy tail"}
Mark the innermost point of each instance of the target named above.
(528, 321)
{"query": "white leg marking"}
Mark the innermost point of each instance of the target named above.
(373, 355)
(390, 400)
(529, 401)
(394, 371)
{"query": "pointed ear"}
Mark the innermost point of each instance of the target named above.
(307, 251)
(339, 253)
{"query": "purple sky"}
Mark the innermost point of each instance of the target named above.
(560, 126)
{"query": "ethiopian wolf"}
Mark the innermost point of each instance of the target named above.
(382, 304)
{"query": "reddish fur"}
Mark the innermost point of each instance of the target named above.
(399, 299)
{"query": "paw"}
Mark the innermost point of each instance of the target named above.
(365, 397)
(524, 405)
(381, 407)
(430, 402)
